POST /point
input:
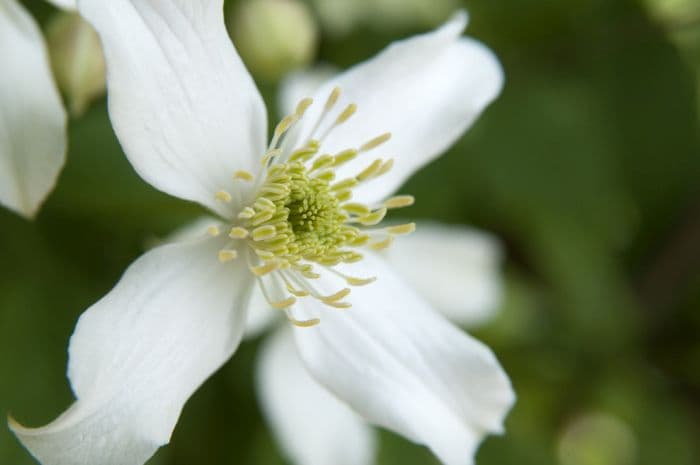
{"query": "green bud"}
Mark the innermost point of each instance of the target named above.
(274, 36)
(77, 60)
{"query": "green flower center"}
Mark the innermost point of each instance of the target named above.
(302, 223)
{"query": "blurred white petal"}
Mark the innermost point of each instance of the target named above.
(32, 118)
(311, 425)
(138, 354)
(456, 269)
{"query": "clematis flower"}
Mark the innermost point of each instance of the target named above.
(33, 133)
(298, 219)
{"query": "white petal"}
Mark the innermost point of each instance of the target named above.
(298, 85)
(64, 4)
(196, 229)
(139, 353)
(32, 118)
(426, 91)
(185, 109)
(311, 425)
(404, 367)
(260, 315)
(463, 280)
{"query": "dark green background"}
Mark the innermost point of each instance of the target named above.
(587, 167)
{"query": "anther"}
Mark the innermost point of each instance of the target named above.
(246, 213)
(213, 231)
(284, 125)
(373, 218)
(227, 255)
(283, 304)
(243, 175)
(269, 156)
(324, 161)
(238, 233)
(297, 292)
(262, 233)
(376, 142)
(264, 254)
(386, 167)
(346, 114)
(344, 196)
(348, 183)
(342, 305)
(303, 106)
(401, 229)
(337, 296)
(370, 171)
(353, 281)
(333, 98)
(268, 267)
(223, 196)
(400, 201)
(381, 245)
(303, 155)
(303, 323)
(344, 157)
(356, 209)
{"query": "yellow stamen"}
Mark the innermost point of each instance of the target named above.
(213, 231)
(282, 304)
(243, 175)
(337, 296)
(268, 267)
(346, 114)
(376, 142)
(264, 232)
(400, 201)
(371, 171)
(303, 106)
(238, 233)
(381, 245)
(333, 98)
(303, 323)
(223, 196)
(227, 255)
(401, 229)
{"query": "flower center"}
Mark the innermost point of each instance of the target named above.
(302, 223)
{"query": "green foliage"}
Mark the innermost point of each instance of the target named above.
(587, 167)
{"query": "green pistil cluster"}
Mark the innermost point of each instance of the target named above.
(298, 215)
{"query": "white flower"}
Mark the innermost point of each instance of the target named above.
(193, 124)
(32, 118)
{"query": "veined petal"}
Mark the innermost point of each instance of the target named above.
(32, 118)
(311, 425)
(64, 4)
(139, 353)
(185, 109)
(426, 91)
(463, 280)
(403, 366)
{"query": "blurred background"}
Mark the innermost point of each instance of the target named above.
(587, 168)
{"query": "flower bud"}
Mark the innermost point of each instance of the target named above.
(77, 60)
(274, 36)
